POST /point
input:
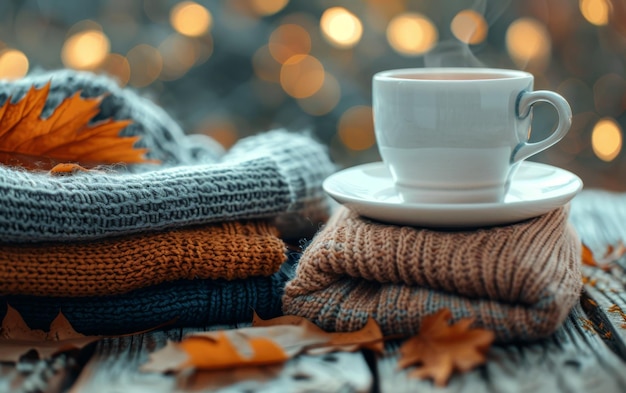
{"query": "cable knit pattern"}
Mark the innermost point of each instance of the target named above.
(182, 303)
(230, 250)
(519, 280)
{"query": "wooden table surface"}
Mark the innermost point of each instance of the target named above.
(587, 354)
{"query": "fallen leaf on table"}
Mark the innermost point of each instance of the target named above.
(611, 255)
(368, 337)
(28, 141)
(267, 342)
(224, 349)
(439, 348)
(17, 339)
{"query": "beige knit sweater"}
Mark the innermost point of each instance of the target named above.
(519, 280)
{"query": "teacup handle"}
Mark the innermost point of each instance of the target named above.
(526, 101)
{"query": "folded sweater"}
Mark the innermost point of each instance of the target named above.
(229, 250)
(267, 175)
(518, 280)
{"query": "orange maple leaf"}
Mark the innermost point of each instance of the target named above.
(225, 349)
(29, 141)
(268, 342)
(439, 348)
(611, 255)
(17, 339)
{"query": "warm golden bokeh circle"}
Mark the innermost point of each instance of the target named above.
(341, 27)
(411, 34)
(85, 50)
(301, 76)
(470, 27)
(356, 128)
(191, 19)
(13, 64)
(288, 40)
(606, 139)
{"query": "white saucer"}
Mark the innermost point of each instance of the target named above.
(535, 189)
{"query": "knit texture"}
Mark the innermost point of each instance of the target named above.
(519, 280)
(229, 250)
(272, 174)
(159, 132)
(183, 303)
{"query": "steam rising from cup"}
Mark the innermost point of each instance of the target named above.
(469, 26)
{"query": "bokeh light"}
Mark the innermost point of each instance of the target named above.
(190, 18)
(145, 65)
(203, 48)
(528, 43)
(606, 139)
(378, 13)
(118, 67)
(85, 50)
(13, 64)
(265, 66)
(288, 40)
(301, 76)
(267, 7)
(356, 128)
(411, 34)
(179, 55)
(470, 27)
(340, 27)
(221, 130)
(609, 91)
(325, 99)
(595, 11)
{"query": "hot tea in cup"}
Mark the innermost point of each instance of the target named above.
(456, 135)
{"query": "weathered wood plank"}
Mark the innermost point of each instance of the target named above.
(600, 219)
(115, 365)
(607, 312)
(31, 375)
(572, 360)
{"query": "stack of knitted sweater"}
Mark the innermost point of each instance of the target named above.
(195, 240)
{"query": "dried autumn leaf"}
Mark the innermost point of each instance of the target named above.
(439, 348)
(17, 339)
(368, 337)
(612, 254)
(67, 169)
(29, 141)
(224, 349)
(268, 342)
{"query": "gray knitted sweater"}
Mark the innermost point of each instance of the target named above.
(276, 174)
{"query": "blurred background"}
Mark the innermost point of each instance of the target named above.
(231, 68)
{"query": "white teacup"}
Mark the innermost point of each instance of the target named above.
(456, 135)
